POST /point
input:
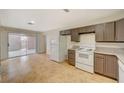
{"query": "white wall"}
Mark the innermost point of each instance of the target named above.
(40, 43)
(54, 34)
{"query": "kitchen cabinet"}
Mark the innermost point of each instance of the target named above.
(99, 62)
(120, 30)
(71, 57)
(75, 35)
(106, 65)
(87, 29)
(111, 66)
(105, 32)
(109, 32)
(99, 29)
(65, 32)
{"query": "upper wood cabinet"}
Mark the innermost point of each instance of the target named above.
(99, 29)
(65, 32)
(109, 32)
(105, 32)
(87, 29)
(120, 30)
(75, 35)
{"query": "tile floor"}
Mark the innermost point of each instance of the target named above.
(37, 68)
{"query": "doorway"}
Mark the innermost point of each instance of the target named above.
(21, 44)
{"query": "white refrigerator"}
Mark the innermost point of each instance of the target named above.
(58, 49)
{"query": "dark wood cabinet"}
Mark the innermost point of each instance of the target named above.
(71, 57)
(120, 30)
(87, 29)
(99, 29)
(105, 32)
(109, 31)
(65, 32)
(75, 35)
(111, 66)
(99, 62)
(106, 65)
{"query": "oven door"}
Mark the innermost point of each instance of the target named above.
(84, 58)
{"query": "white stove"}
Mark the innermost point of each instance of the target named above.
(85, 58)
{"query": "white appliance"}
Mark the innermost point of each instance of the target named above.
(58, 48)
(121, 71)
(85, 58)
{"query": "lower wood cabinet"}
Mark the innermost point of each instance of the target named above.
(111, 66)
(106, 65)
(71, 57)
(99, 62)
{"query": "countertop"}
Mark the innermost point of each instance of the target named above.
(119, 52)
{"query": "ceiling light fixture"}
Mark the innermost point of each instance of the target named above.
(66, 10)
(31, 22)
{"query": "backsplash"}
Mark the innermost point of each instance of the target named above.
(84, 40)
(110, 45)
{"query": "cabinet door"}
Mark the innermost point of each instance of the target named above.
(71, 61)
(111, 66)
(75, 36)
(71, 57)
(109, 32)
(99, 64)
(120, 30)
(82, 30)
(99, 29)
(91, 29)
(87, 29)
(66, 32)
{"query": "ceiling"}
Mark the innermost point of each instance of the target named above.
(49, 19)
